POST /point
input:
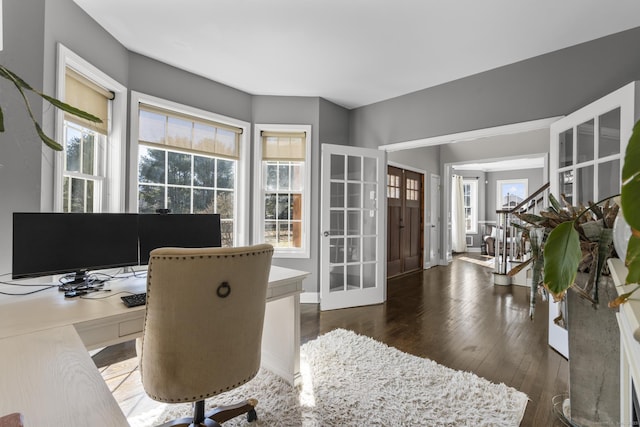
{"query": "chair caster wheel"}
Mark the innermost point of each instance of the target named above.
(252, 415)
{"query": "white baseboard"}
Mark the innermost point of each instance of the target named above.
(309, 298)
(474, 250)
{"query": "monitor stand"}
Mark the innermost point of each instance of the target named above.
(81, 281)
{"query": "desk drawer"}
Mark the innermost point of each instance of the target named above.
(105, 332)
(131, 327)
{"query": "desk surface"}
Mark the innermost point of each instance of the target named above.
(46, 371)
(50, 309)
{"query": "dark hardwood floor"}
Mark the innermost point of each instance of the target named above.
(455, 316)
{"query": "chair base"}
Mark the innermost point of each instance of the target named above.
(217, 415)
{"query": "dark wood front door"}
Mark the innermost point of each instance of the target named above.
(405, 221)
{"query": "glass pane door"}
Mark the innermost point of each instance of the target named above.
(352, 260)
(585, 156)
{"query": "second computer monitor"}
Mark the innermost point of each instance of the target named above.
(177, 230)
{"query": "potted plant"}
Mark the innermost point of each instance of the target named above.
(569, 248)
(562, 249)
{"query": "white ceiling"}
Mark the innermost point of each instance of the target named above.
(352, 52)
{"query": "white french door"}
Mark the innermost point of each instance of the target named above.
(353, 256)
(585, 157)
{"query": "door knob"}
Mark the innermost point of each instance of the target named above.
(325, 234)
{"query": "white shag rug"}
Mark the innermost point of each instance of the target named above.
(353, 380)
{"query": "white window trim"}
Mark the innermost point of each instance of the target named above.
(116, 140)
(474, 204)
(258, 198)
(243, 177)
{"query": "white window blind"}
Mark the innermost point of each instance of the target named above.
(185, 132)
(86, 95)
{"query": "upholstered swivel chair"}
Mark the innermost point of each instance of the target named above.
(203, 326)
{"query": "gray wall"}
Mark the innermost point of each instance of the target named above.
(334, 123)
(89, 41)
(427, 158)
(156, 78)
(329, 125)
(535, 181)
(549, 85)
(292, 111)
(20, 147)
(496, 147)
(545, 86)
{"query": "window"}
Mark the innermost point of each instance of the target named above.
(283, 152)
(90, 169)
(470, 204)
(393, 186)
(413, 187)
(83, 176)
(189, 162)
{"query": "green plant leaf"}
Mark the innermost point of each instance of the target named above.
(48, 141)
(605, 243)
(13, 77)
(630, 194)
(70, 108)
(519, 267)
(632, 260)
(21, 85)
(531, 218)
(555, 205)
(536, 234)
(562, 255)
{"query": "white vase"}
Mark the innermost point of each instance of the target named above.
(621, 235)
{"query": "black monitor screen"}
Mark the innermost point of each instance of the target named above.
(177, 230)
(53, 243)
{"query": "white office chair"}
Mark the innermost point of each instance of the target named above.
(203, 326)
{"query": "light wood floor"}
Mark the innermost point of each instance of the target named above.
(453, 315)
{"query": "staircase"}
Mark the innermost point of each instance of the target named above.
(510, 247)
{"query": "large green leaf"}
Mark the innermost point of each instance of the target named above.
(630, 195)
(562, 255)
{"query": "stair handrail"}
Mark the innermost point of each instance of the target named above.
(503, 222)
(531, 197)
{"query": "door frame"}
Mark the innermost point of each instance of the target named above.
(445, 173)
(425, 194)
(434, 202)
(364, 296)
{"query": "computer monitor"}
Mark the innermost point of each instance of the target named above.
(56, 243)
(177, 230)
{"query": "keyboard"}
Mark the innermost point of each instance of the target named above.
(134, 300)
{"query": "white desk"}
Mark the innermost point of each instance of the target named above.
(48, 376)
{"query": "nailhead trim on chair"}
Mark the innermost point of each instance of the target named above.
(215, 392)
